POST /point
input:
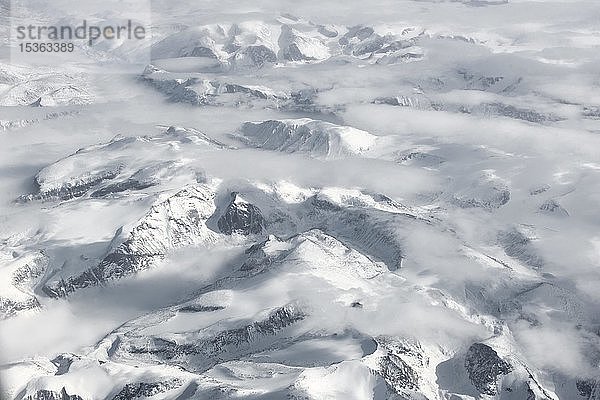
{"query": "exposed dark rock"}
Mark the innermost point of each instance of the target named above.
(510, 111)
(400, 364)
(129, 184)
(518, 246)
(176, 222)
(37, 103)
(63, 363)
(72, 190)
(358, 227)
(591, 112)
(241, 217)
(398, 373)
(484, 193)
(185, 94)
(51, 395)
(202, 51)
(420, 159)
(538, 190)
(484, 368)
(142, 389)
(327, 30)
(25, 278)
(261, 94)
(589, 389)
(358, 32)
(258, 259)
(226, 345)
(200, 308)
(404, 101)
(9, 307)
(259, 55)
(553, 207)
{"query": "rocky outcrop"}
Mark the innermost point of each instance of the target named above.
(175, 222)
(255, 56)
(589, 389)
(485, 367)
(202, 92)
(296, 46)
(553, 207)
(230, 344)
(314, 137)
(20, 278)
(241, 217)
(507, 110)
(367, 230)
(420, 159)
(139, 390)
(398, 374)
(141, 179)
(10, 307)
(517, 245)
(483, 191)
(360, 40)
(116, 166)
(404, 364)
(52, 395)
(74, 188)
(63, 363)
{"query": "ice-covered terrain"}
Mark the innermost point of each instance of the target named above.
(340, 200)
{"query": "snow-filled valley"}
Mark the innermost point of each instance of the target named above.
(315, 200)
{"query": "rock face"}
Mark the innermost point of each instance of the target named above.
(404, 363)
(258, 329)
(589, 389)
(202, 92)
(117, 166)
(19, 278)
(255, 56)
(198, 355)
(146, 389)
(510, 111)
(398, 373)
(485, 367)
(175, 222)
(298, 47)
(357, 226)
(517, 245)
(420, 159)
(73, 176)
(317, 138)
(241, 217)
(361, 40)
(484, 191)
(63, 363)
(74, 188)
(553, 207)
(51, 395)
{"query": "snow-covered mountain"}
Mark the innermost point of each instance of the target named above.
(392, 200)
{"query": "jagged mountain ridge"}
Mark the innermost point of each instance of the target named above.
(401, 366)
(350, 220)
